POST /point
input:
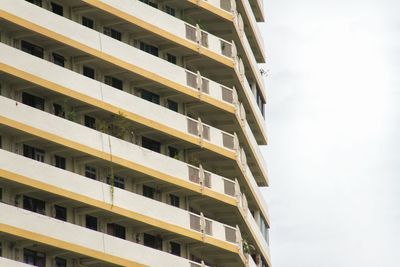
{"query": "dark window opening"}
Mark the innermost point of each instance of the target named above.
(173, 152)
(90, 122)
(61, 213)
(172, 105)
(114, 82)
(56, 8)
(151, 49)
(35, 2)
(116, 230)
(58, 110)
(174, 200)
(32, 49)
(151, 144)
(149, 96)
(150, 3)
(60, 262)
(152, 241)
(90, 172)
(33, 153)
(91, 222)
(34, 258)
(112, 33)
(171, 58)
(88, 72)
(148, 191)
(175, 248)
(60, 162)
(170, 10)
(33, 204)
(87, 22)
(58, 60)
(118, 182)
(33, 101)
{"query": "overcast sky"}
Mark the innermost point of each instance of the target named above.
(333, 119)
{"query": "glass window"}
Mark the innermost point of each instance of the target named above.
(33, 153)
(170, 10)
(56, 8)
(114, 82)
(151, 144)
(58, 59)
(118, 181)
(34, 258)
(60, 162)
(33, 204)
(149, 96)
(112, 33)
(148, 191)
(173, 152)
(175, 248)
(172, 105)
(58, 110)
(91, 222)
(88, 72)
(151, 49)
(35, 2)
(171, 58)
(87, 22)
(90, 122)
(33, 101)
(90, 172)
(174, 200)
(149, 2)
(152, 241)
(31, 49)
(60, 262)
(116, 230)
(61, 213)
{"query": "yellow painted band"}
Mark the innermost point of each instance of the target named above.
(117, 160)
(116, 110)
(118, 62)
(160, 32)
(117, 210)
(67, 246)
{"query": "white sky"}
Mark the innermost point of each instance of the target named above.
(333, 119)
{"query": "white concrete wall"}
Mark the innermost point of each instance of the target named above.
(11, 263)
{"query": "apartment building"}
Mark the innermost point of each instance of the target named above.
(130, 133)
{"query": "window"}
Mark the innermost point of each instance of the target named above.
(33, 153)
(58, 59)
(170, 10)
(175, 248)
(33, 101)
(91, 222)
(56, 8)
(34, 258)
(87, 22)
(150, 3)
(90, 172)
(61, 213)
(148, 191)
(1, 250)
(149, 49)
(118, 181)
(35, 2)
(151, 144)
(174, 200)
(171, 58)
(260, 101)
(60, 262)
(58, 110)
(114, 82)
(112, 33)
(31, 49)
(152, 241)
(90, 122)
(172, 105)
(88, 72)
(149, 96)
(33, 204)
(173, 152)
(1, 194)
(59, 162)
(116, 230)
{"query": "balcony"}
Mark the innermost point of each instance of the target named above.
(111, 250)
(12, 263)
(123, 203)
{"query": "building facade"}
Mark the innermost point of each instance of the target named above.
(130, 133)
